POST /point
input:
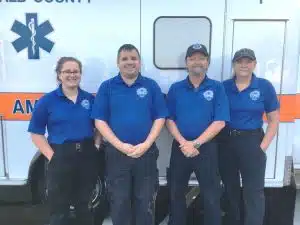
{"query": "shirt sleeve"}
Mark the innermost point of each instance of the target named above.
(271, 102)
(100, 109)
(159, 109)
(171, 103)
(39, 118)
(221, 112)
(92, 100)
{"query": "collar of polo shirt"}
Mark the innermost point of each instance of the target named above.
(120, 80)
(60, 92)
(253, 83)
(205, 83)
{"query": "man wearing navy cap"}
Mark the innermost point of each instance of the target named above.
(198, 109)
(130, 112)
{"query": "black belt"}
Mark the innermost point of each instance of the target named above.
(237, 132)
(77, 145)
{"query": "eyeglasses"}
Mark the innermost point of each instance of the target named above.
(69, 72)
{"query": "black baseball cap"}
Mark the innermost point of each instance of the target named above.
(244, 53)
(196, 48)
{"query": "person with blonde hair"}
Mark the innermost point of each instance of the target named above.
(243, 143)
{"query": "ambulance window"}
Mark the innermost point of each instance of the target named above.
(173, 35)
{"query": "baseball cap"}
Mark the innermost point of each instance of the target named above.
(196, 48)
(244, 53)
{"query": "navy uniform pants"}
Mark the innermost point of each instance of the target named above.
(241, 156)
(132, 185)
(71, 177)
(205, 166)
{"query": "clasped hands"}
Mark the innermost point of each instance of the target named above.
(188, 149)
(134, 151)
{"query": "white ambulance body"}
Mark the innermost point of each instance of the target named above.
(35, 33)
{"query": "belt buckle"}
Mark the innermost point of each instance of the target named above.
(78, 147)
(234, 132)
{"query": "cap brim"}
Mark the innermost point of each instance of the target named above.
(244, 56)
(195, 51)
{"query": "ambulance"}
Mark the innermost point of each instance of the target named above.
(34, 34)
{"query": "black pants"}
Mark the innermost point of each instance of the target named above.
(205, 166)
(71, 177)
(240, 154)
(132, 186)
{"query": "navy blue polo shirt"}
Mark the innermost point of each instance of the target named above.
(130, 110)
(194, 109)
(65, 120)
(247, 106)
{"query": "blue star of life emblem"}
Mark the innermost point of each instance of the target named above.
(32, 36)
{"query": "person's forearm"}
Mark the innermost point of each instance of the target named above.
(155, 131)
(270, 133)
(273, 123)
(107, 133)
(211, 132)
(42, 144)
(97, 138)
(172, 127)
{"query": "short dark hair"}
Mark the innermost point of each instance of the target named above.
(62, 61)
(128, 47)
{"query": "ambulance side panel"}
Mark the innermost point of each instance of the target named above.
(162, 30)
(91, 32)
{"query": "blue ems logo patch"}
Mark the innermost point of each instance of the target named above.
(141, 92)
(254, 95)
(197, 46)
(85, 104)
(208, 95)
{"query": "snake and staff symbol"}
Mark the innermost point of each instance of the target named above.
(31, 26)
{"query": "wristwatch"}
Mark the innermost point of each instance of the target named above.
(196, 144)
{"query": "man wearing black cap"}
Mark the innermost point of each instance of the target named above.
(198, 109)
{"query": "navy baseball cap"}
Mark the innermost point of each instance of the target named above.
(196, 48)
(244, 53)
